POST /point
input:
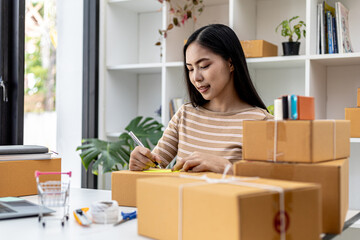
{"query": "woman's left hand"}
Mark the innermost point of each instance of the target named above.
(203, 162)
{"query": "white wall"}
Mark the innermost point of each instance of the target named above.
(69, 67)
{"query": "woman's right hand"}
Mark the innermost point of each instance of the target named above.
(142, 158)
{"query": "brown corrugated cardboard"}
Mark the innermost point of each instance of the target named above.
(17, 178)
(353, 114)
(225, 211)
(123, 184)
(358, 97)
(297, 141)
(258, 48)
(333, 176)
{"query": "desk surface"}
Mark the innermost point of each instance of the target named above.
(30, 228)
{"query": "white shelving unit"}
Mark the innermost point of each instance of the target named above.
(135, 80)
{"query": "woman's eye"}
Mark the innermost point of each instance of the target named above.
(204, 67)
(190, 70)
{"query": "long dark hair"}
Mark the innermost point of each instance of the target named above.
(223, 41)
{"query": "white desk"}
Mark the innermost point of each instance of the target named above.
(30, 228)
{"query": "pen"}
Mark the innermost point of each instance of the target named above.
(137, 141)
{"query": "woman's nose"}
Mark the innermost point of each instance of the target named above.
(198, 76)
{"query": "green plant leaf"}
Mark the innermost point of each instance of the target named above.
(293, 18)
(288, 31)
(111, 154)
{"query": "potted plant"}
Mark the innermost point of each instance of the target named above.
(287, 30)
(111, 155)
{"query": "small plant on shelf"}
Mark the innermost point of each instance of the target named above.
(180, 13)
(289, 31)
(112, 155)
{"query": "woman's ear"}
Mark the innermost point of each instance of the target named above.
(231, 66)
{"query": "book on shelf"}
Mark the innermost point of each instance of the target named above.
(335, 43)
(175, 104)
(329, 32)
(327, 24)
(343, 34)
(318, 29)
(322, 29)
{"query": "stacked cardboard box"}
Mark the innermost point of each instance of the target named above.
(123, 184)
(353, 114)
(183, 208)
(333, 176)
(304, 151)
(296, 141)
(17, 178)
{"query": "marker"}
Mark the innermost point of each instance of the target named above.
(137, 141)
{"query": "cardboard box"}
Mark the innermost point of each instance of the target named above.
(353, 114)
(297, 141)
(333, 176)
(225, 211)
(358, 97)
(306, 108)
(258, 48)
(123, 184)
(17, 178)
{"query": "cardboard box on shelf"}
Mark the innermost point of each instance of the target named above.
(17, 178)
(258, 48)
(123, 184)
(296, 141)
(358, 97)
(225, 211)
(353, 114)
(333, 176)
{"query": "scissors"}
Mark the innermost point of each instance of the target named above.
(126, 217)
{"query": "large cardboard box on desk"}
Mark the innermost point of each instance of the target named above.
(184, 208)
(17, 178)
(296, 141)
(123, 184)
(333, 176)
(258, 48)
(353, 114)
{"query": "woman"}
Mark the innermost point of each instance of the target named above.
(206, 134)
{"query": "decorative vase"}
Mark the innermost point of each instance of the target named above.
(291, 48)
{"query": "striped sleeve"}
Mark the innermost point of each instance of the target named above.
(167, 146)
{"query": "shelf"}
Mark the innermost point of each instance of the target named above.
(277, 62)
(137, 68)
(174, 64)
(138, 5)
(337, 59)
(355, 140)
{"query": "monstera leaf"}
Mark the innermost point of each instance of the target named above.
(111, 154)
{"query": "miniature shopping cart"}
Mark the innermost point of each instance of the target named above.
(54, 194)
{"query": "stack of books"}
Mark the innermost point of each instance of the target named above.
(24, 152)
(332, 29)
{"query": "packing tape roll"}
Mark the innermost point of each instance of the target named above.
(105, 211)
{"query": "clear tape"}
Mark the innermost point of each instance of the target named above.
(105, 212)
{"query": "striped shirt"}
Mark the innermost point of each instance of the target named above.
(198, 129)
